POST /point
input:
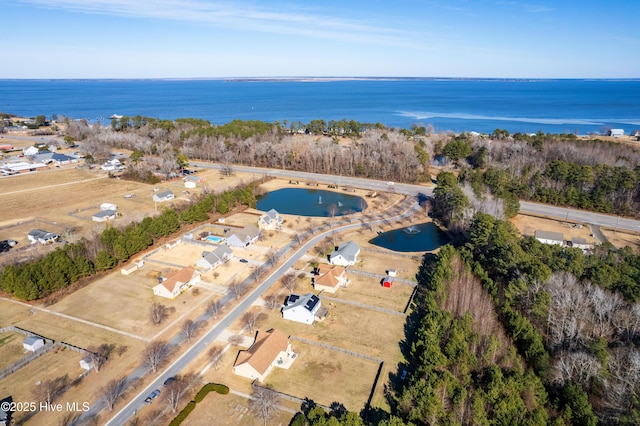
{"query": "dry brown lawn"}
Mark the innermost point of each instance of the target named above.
(316, 372)
(123, 302)
(621, 239)
(527, 225)
(56, 363)
(11, 349)
(230, 410)
(369, 291)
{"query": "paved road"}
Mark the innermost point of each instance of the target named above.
(210, 336)
(573, 215)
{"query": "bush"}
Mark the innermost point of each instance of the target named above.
(183, 414)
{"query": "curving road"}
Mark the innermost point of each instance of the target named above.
(562, 213)
(209, 337)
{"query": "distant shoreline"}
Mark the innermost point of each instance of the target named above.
(320, 79)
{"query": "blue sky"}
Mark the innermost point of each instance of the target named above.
(250, 38)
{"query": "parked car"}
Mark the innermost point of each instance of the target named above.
(244, 261)
(152, 396)
(169, 381)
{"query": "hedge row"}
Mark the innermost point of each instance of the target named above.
(209, 387)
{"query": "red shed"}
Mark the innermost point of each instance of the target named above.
(387, 281)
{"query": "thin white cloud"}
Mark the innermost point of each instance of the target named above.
(537, 8)
(291, 20)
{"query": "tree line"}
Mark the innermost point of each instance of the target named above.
(64, 266)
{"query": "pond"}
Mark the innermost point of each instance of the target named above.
(422, 237)
(310, 202)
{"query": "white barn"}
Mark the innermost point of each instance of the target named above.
(33, 343)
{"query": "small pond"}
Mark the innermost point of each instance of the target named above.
(422, 237)
(310, 202)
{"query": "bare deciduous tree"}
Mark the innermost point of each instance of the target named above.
(155, 354)
(272, 257)
(214, 307)
(236, 290)
(174, 392)
(263, 403)
(158, 313)
(48, 390)
(272, 302)
(289, 282)
(250, 320)
(189, 329)
(235, 339)
(100, 355)
(113, 391)
(215, 354)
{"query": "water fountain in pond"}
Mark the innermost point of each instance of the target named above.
(411, 230)
(339, 204)
(320, 199)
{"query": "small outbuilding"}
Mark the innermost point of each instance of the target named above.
(616, 133)
(163, 196)
(387, 281)
(86, 363)
(33, 343)
(104, 215)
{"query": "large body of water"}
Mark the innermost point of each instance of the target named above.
(555, 106)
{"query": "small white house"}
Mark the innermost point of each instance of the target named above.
(86, 363)
(42, 237)
(33, 343)
(176, 282)
(616, 133)
(189, 184)
(108, 206)
(304, 309)
(547, 237)
(211, 259)
(345, 254)
(163, 196)
(112, 166)
(104, 215)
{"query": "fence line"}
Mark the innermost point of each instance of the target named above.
(26, 360)
(288, 397)
(381, 276)
(362, 305)
(335, 348)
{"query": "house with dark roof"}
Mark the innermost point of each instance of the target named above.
(242, 237)
(270, 349)
(104, 215)
(42, 237)
(163, 196)
(548, 237)
(212, 259)
(270, 220)
(175, 282)
(345, 254)
(305, 309)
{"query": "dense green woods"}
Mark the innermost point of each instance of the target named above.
(509, 330)
(66, 265)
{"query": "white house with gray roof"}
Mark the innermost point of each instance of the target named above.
(548, 237)
(42, 237)
(242, 237)
(163, 196)
(304, 309)
(211, 259)
(345, 254)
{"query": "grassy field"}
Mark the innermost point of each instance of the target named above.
(56, 363)
(369, 291)
(11, 349)
(316, 371)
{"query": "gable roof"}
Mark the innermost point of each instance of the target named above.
(348, 250)
(249, 232)
(40, 234)
(548, 235)
(308, 302)
(264, 350)
(104, 213)
(329, 275)
(31, 340)
(164, 194)
(177, 278)
(217, 255)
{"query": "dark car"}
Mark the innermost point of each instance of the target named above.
(152, 396)
(169, 381)
(244, 261)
